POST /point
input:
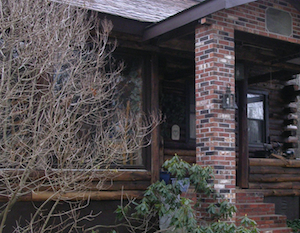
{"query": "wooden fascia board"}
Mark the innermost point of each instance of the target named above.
(190, 15)
(233, 3)
(183, 18)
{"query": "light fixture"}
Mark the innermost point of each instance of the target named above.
(228, 99)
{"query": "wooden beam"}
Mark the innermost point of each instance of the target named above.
(180, 152)
(233, 3)
(286, 66)
(243, 164)
(281, 192)
(285, 58)
(279, 185)
(190, 15)
(266, 52)
(246, 57)
(188, 159)
(279, 75)
(272, 178)
(274, 162)
(113, 174)
(273, 170)
(91, 195)
(125, 185)
(155, 160)
(177, 33)
(132, 176)
(105, 186)
(264, 43)
(184, 18)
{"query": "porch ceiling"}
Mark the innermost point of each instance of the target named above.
(267, 58)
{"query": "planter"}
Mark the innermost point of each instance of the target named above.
(163, 175)
(184, 184)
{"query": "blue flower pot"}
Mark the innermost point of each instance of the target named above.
(164, 176)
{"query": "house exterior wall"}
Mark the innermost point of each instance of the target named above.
(215, 66)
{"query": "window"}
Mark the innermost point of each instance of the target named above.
(131, 84)
(178, 107)
(126, 98)
(257, 120)
(278, 21)
(131, 99)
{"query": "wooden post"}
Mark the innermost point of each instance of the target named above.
(154, 110)
(243, 164)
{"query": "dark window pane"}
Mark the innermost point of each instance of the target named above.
(131, 101)
(131, 83)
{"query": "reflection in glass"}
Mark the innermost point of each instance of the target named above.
(255, 131)
(256, 110)
(256, 118)
(130, 99)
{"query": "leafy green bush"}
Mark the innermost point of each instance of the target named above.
(163, 200)
(294, 224)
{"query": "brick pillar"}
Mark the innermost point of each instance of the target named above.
(214, 57)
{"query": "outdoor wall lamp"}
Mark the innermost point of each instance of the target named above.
(228, 99)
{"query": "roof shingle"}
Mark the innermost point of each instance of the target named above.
(141, 10)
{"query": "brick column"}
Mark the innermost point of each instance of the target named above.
(214, 57)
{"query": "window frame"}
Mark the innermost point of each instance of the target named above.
(279, 14)
(265, 128)
(121, 54)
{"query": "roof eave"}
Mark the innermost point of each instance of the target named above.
(190, 15)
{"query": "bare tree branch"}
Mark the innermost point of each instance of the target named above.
(60, 118)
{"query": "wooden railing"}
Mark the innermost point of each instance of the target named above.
(275, 177)
(187, 155)
(125, 183)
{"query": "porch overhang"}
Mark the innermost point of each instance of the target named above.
(295, 3)
(190, 15)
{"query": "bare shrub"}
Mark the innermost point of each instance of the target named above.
(61, 125)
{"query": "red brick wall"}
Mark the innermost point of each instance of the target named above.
(215, 59)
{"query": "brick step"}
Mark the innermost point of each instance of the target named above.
(276, 230)
(267, 221)
(255, 209)
(250, 202)
(245, 196)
